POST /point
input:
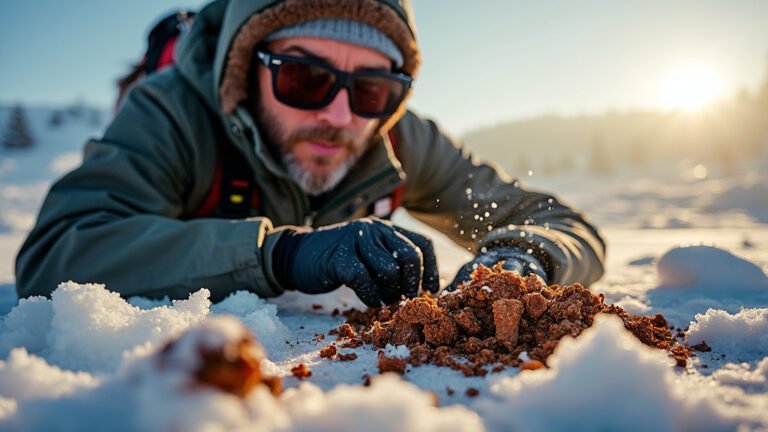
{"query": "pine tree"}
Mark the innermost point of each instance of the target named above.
(17, 135)
(56, 119)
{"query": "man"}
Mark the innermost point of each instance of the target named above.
(289, 118)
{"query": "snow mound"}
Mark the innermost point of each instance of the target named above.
(26, 325)
(87, 327)
(711, 268)
(741, 375)
(113, 326)
(607, 380)
(389, 404)
(159, 392)
(25, 376)
(694, 279)
(741, 334)
(260, 317)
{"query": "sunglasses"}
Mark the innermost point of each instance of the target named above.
(310, 84)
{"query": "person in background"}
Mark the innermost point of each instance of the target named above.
(270, 156)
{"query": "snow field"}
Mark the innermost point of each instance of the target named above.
(604, 379)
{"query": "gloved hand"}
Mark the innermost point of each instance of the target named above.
(379, 261)
(514, 260)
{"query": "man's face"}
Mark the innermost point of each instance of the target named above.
(318, 147)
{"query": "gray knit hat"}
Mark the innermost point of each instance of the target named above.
(343, 30)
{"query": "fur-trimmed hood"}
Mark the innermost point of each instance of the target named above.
(219, 48)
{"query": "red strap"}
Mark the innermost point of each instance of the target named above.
(208, 207)
(167, 57)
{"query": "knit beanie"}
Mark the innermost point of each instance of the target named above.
(383, 25)
(343, 30)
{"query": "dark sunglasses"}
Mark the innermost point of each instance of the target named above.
(311, 84)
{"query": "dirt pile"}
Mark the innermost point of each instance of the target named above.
(489, 321)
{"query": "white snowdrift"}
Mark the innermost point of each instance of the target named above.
(146, 396)
(739, 335)
(710, 268)
(607, 380)
(742, 376)
(693, 279)
(89, 328)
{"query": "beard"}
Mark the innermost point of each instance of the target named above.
(316, 184)
(281, 143)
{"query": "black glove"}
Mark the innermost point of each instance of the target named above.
(379, 261)
(514, 260)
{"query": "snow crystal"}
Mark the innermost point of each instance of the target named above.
(25, 376)
(112, 325)
(388, 404)
(27, 325)
(260, 317)
(87, 327)
(746, 332)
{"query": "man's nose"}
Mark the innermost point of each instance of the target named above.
(337, 113)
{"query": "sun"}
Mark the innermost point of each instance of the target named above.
(690, 88)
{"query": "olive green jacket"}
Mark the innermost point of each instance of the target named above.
(123, 217)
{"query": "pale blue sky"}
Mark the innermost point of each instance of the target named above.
(484, 61)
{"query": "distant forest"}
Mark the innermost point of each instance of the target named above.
(720, 136)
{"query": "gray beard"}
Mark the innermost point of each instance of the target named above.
(316, 185)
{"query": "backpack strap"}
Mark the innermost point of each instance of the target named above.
(233, 193)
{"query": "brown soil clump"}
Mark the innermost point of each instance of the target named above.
(328, 352)
(301, 371)
(489, 321)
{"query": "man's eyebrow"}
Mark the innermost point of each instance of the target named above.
(309, 54)
(306, 53)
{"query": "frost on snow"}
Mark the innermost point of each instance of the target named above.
(744, 333)
(89, 328)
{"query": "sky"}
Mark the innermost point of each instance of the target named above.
(483, 62)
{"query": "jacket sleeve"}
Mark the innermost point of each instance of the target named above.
(116, 219)
(479, 206)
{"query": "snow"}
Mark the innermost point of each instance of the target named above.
(711, 268)
(740, 334)
(604, 363)
(696, 278)
(397, 351)
(694, 249)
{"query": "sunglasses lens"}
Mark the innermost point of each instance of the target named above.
(375, 96)
(303, 85)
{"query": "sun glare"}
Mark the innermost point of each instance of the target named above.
(690, 88)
